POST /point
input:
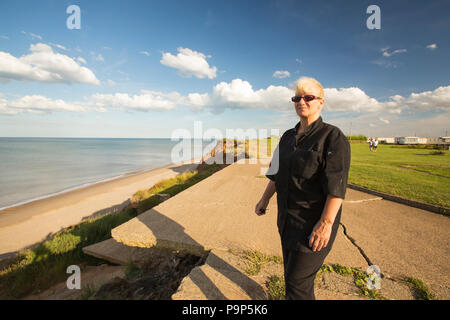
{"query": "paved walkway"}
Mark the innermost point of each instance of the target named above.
(217, 216)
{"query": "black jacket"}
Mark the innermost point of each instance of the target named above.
(310, 166)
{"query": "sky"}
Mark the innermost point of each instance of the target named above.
(143, 69)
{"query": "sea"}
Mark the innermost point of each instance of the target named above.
(38, 168)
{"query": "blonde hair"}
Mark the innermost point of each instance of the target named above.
(306, 81)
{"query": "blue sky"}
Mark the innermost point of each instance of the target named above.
(145, 68)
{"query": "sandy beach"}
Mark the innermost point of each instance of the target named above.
(24, 225)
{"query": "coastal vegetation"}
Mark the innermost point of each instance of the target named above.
(37, 269)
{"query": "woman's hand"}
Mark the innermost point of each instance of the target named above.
(320, 235)
(261, 206)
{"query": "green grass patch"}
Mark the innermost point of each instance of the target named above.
(257, 259)
(276, 288)
(37, 269)
(415, 173)
(420, 289)
(359, 278)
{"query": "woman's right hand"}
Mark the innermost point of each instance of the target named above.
(261, 206)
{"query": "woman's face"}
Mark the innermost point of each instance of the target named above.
(312, 108)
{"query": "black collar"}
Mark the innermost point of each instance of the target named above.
(310, 128)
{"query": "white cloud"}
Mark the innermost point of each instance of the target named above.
(388, 54)
(145, 53)
(107, 48)
(385, 63)
(438, 99)
(355, 99)
(432, 46)
(35, 36)
(4, 37)
(146, 101)
(189, 63)
(57, 46)
(37, 104)
(197, 100)
(32, 35)
(110, 83)
(298, 60)
(82, 60)
(99, 57)
(240, 94)
(281, 74)
(44, 65)
(349, 99)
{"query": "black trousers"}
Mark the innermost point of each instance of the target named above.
(301, 265)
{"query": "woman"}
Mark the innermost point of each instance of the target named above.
(309, 172)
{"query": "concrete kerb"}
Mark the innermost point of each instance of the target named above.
(412, 203)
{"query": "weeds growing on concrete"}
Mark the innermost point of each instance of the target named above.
(359, 278)
(276, 288)
(257, 259)
(420, 289)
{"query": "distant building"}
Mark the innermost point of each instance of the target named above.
(445, 139)
(434, 140)
(410, 140)
(386, 140)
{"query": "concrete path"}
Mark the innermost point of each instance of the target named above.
(217, 214)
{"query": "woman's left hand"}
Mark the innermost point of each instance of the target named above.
(320, 235)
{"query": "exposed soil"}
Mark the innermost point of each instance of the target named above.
(156, 279)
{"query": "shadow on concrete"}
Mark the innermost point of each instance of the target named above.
(170, 235)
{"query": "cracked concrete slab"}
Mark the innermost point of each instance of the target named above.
(118, 253)
(345, 253)
(221, 277)
(216, 213)
(403, 241)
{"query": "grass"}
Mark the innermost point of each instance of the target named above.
(276, 288)
(420, 289)
(257, 259)
(421, 174)
(87, 292)
(359, 278)
(39, 268)
(132, 270)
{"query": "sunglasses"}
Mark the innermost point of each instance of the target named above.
(307, 98)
